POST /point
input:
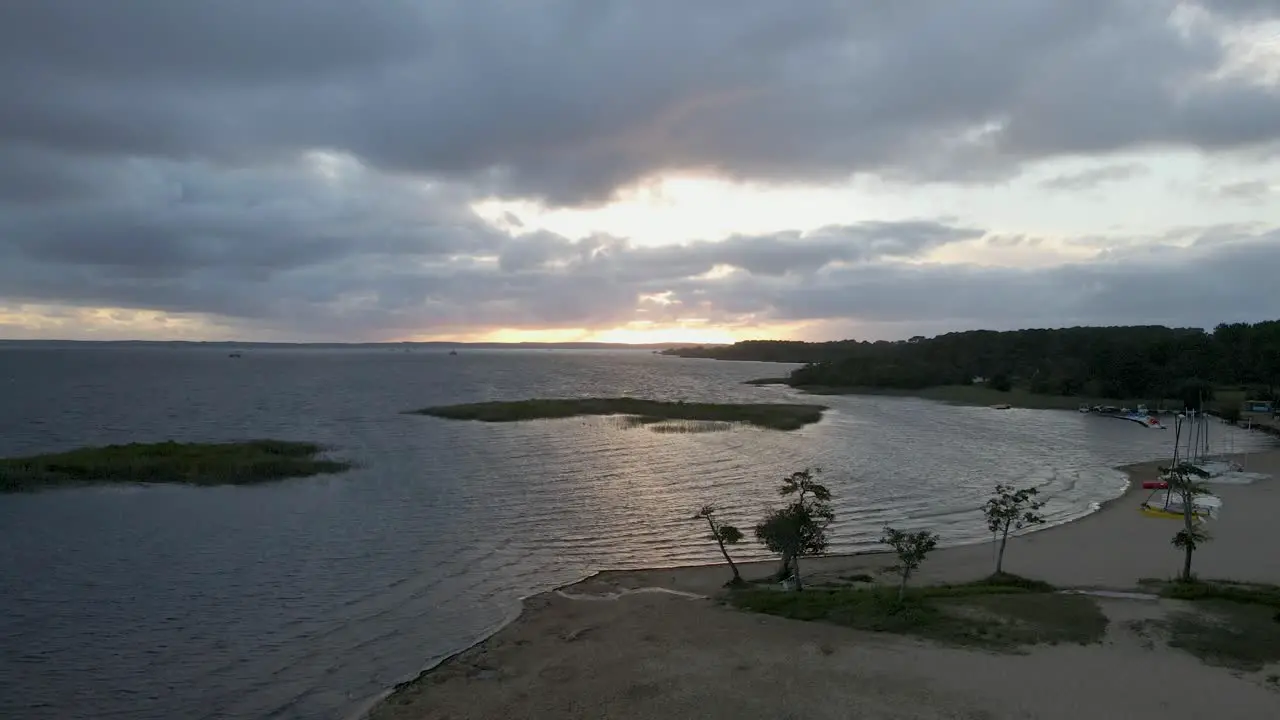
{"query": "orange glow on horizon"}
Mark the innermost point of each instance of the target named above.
(636, 333)
(649, 336)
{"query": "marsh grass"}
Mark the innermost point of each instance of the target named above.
(658, 425)
(1227, 634)
(169, 462)
(690, 426)
(772, 416)
(1229, 623)
(1247, 593)
(999, 613)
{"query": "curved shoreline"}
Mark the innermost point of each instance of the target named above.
(696, 580)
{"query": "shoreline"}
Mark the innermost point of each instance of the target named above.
(951, 563)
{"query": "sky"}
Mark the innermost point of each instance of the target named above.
(613, 170)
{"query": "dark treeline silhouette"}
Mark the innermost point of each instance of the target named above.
(1104, 362)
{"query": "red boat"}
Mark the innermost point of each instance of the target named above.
(1155, 485)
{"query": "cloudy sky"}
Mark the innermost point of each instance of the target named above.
(627, 170)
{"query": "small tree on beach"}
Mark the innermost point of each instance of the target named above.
(1185, 483)
(800, 528)
(723, 535)
(911, 549)
(1011, 509)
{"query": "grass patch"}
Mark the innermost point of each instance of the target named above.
(170, 462)
(1228, 634)
(995, 584)
(1003, 613)
(766, 415)
(1233, 624)
(1242, 593)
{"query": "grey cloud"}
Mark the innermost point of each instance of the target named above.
(1008, 241)
(569, 100)
(288, 250)
(306, 166)
(324, 247)
(1093, 177)
(781, 253)
(1246, 9)
(1226, 279)
(1253, 190)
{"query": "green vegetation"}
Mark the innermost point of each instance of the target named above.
(1128, 365)
(1010, 509)
(1184, 482)
(911, 548)
(1220, 590)
(766, 415)
(982, 396)
(170, 462)
(1229, 634)
(800, 528)
(723, 535)
(999, 613)
(1232, 624)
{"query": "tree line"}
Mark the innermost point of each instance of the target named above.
(1103, 362)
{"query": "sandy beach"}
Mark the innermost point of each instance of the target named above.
(611, 646)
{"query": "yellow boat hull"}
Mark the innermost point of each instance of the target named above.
(1168, 514)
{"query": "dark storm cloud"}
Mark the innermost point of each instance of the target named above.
(570, 99)
(290, 251)
(324, 246)
(306, 166)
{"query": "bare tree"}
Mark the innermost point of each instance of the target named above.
(1011, 509)
(723, 535)
(911, 549)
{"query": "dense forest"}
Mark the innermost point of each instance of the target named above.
(1103, 362)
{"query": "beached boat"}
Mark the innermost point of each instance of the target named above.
(1168, 504)
(1195, 452)
(1148, 421)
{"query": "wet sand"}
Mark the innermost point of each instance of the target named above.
(596, 650)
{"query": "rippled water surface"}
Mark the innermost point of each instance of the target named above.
(304, 598)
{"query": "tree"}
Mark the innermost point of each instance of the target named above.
(1011, 509)
(800, 528)
(723, 535)
(911, 549)
(1185, 485)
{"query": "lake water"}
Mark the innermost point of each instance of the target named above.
(304, 598)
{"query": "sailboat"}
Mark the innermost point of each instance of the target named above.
(1168, 504)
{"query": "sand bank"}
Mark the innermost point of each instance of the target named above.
(644, 655)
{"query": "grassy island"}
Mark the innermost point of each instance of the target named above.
(170, 462)
(766, 415)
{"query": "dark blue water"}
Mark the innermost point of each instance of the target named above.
(304, 598)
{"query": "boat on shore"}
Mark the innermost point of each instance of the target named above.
(1169, 505)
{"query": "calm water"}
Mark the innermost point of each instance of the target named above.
(302, 599)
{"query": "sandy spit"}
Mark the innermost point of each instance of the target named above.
(652, 654)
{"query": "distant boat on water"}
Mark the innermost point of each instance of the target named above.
(453, 352)
(234, 355)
